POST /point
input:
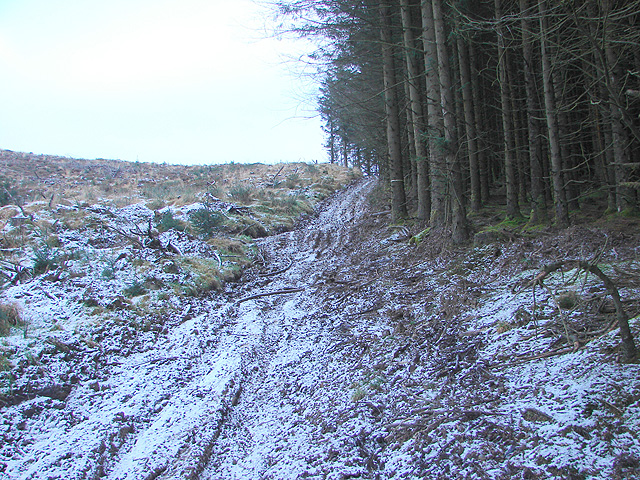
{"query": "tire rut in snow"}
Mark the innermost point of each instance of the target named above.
(270, 423)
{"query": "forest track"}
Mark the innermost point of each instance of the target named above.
(240, 378)
(296, 336)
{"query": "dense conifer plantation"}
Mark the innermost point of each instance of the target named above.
(532, 105)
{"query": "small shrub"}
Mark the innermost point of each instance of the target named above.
(9, 317)
(206, 221)
(167, 221)
(45, 259)
(292, 181)
(241, 193)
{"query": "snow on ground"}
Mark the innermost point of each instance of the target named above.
(377, 364)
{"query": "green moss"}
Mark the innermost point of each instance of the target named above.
(418, 238)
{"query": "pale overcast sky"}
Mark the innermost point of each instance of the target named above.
(176, 81)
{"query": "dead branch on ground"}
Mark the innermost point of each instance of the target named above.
(268, 294)
(629, 350)
(277, 272)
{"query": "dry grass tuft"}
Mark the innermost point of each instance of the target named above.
(10, 316)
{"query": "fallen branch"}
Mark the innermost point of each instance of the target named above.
(219, 260)
(273, 180)
(268, 294)
(131, 238)
(552, 353)
(629, 350)
(272, 274)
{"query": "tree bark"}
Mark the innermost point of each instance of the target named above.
(435, 121)
(459, 230)
(538, 203)
(398, 199)
(417, 115)
(619, 134)
(513, 208)
(469, 124)
(560, 200)
(479, 116)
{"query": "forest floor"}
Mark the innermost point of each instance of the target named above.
(355, 349)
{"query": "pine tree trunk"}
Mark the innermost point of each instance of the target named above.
(416, 112)
(603, 123)
(469, 124)
(619, 134)
(398, 199)
(410, 168)
(478, 113)
(460, 229)
(563, 133)
(560, 200)
(538, 203)
(345, 152)
(332, 143)
(435, 121)
(513, 208)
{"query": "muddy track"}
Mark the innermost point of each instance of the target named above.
(256, 341)
(293, 336)
(191, 401)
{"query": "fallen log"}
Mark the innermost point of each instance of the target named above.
(268, 294)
